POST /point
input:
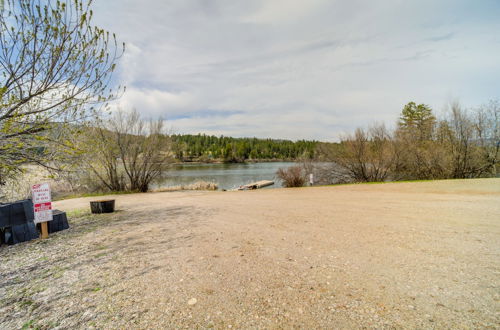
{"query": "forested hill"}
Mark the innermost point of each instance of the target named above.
(203, 147)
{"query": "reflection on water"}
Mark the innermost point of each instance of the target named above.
(227, 176)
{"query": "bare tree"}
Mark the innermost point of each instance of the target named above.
(487, 124)
(101, 157)
(365, 156)
(127, 152)
(459, 138)
(472, 139)
(144, 148)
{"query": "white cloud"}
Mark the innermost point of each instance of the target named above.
(155, 102)
(300, 69)
(283, 11)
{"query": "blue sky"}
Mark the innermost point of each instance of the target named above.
(293, 69)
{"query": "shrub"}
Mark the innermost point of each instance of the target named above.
(292, 176)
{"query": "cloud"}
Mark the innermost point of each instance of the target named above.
(300, 69)
(156, 102)
(446, 36)
(283, 11)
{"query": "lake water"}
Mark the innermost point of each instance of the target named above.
(227, 176)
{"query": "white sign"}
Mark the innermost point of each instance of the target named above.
(42, 202)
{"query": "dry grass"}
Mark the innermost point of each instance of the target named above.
(292, 176)
(200, 185)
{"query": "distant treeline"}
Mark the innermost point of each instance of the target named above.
(203, 147)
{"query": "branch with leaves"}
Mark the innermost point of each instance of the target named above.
(55, 72)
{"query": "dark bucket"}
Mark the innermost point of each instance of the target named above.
(104, 206)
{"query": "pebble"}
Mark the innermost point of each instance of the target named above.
(192, 301)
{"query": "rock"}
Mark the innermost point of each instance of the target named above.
(192, 301)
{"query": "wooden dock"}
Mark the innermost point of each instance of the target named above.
(256, 185)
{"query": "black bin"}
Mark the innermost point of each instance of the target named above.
(102, 206)
(17, 213)
(16, 222)
(59, 222)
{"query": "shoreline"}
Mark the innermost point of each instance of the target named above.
(248, 161)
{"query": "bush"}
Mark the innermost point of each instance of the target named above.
(292, 176)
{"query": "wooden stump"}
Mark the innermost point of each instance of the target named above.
(103, 206)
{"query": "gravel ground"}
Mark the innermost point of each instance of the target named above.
(401, 255)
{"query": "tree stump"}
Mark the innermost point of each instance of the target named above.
(103, 206)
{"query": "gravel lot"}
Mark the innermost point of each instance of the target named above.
(399, 255)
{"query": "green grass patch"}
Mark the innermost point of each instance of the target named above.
(379, 182)
(31, 324)
(58, 272)
(26, 302)
(78, 213)
(94, 194)
(100, 247)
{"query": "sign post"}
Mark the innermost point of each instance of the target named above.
(42, 204)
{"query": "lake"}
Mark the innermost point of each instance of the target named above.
(227, 176)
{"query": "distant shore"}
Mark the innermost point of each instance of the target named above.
(221, 161)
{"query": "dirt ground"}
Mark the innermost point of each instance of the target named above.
(399, 255)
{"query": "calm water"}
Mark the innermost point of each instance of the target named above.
(227, 176)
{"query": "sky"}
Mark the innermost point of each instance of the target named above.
(300, 69)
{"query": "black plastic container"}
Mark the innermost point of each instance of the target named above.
(103, 206)
(20, 233)
(17, 213)
(16, 222)
(59, 222)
